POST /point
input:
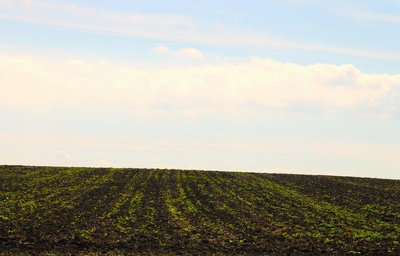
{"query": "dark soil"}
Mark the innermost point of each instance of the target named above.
(54, 210)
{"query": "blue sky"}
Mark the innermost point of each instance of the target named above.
(268, 86)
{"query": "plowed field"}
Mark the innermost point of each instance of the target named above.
(150, 211)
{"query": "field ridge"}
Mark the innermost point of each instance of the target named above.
(70, 210)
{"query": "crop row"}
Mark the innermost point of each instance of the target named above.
(150, 210)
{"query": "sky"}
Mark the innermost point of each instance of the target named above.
(305, 87)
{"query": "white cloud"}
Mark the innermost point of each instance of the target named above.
(161, 49)
(78, 67)
(191, 53)
(223, 87)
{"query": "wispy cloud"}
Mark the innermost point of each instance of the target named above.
(172, 27)
(363, 16)
(61, 13)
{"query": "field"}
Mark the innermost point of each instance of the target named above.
(56, 210)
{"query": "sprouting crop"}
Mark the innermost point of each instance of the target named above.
(151, 211)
